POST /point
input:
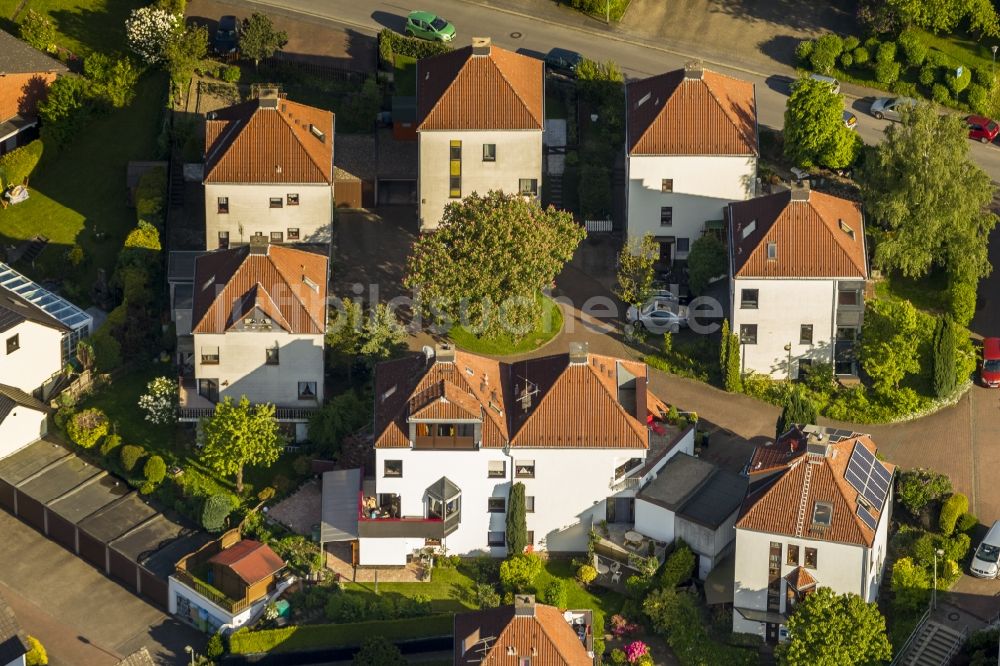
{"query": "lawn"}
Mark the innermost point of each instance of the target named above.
(547, 327)
(928, 293)
(405, 76)
(317, 636)
(83, 25)
(960, 46)
(81, 190)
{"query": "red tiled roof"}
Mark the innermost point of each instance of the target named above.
(463, 90)
(808, 233)
(786, 507)
(546, 637)
(679, 114)
(231, 284)
(800, 579)
(248, 143)
(251, 560)
(570, 405)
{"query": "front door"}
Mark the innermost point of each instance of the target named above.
(666, 251)
(771, 632)
(209, 388)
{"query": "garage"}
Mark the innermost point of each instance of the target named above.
(397, 192)
(354, 171)
(396, 167)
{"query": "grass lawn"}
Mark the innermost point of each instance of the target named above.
(81, 190)
(83, 25)
(545, 329)
(316, 636)
(405, 76)
(962, 47)
(928, 293)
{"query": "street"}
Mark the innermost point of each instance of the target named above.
(637, 57)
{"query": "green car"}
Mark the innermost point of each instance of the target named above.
(429, 26)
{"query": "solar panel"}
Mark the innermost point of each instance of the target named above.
(868, 476)
(867, 517)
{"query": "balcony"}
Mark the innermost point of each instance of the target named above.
(444, 443)
(380, 516)
(194, 407)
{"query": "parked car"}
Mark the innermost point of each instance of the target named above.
(984, 562)
(982, 129)
(658, 315)
(990, 372)
(661, 290)
(426, 25)
(850, 120)
(891, 107)
(563, 61)
(227, 35)
(833, 83)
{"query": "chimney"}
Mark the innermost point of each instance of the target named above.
(524, 605)
(693, 70)
(818, 444)
(445, 353)
(801, 191)
(481, 46)
(268, 98)
(578, 353)
(258, 244)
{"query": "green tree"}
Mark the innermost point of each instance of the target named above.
(911, 584)
(38, 30)
(945, 357)
(946, 16)
(927, 200)
(18, 164)
(517, 527)
(63, 110)
(706, 260)
(733, 379)
(827, 628)
(183, 52)
(724, 348)
(889, 347)
(815, 134)
(240, 434)
(259, 39)
(519, 571)
(215, 511)
(378, 651)
(635, 269)
(87, 427)
(799, 409)
(492, 252)
(155, 469)
(338, 418)
(916, 488)
(343, 332)
(111, 79)
(381, 334)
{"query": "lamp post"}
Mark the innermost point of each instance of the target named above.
(788, 348)
(934, 591)
(992, 67)
(190, 651)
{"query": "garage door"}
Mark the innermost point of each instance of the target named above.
(392, 192)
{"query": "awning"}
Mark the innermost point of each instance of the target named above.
(341, 490)
(755, 615)
(719, 582)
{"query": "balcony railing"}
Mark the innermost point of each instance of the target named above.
(232, 606)
(628, 483)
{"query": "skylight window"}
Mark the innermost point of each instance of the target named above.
(749, 229)
(846, 228)
(822, 514)
(317, 132)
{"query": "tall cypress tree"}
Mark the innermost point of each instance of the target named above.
(945, 352)
(732, 376)
(799, 409)
(517, 526)
(724, 348)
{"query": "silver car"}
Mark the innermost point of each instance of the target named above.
(891, 108)
(658, 315)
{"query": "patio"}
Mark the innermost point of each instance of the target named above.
(620, 541)
(612, 574)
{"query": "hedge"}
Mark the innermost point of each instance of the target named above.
(18, 164)
(391, 43)
(319, 636)
(151, 196)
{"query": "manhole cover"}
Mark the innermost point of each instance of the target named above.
(515, 35)
(954, 617)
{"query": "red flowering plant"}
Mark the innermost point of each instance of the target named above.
(621, 626)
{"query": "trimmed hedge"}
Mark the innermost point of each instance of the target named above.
(318, 636)
(151, 197)
(18, 164)
(391, 43)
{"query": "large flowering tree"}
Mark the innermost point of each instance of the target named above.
(149, 30)
(160, 401)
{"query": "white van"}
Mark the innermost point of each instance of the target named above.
(984, 563)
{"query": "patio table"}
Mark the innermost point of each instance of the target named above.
(633, 537)
(602, 568)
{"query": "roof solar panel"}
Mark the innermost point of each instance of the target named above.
(867, 518)
(855, 478)
(868, 476)
(861, 453)
(874, 495)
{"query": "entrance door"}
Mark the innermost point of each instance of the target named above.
(209, 388)
(666, 251)
(771, 632)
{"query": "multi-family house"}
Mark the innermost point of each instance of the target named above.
(454, 431)
(268, 172)
(691, 149)
(799, 267)
(524, 634)
(258, 316)
(24, 82)
(817, 515)
(480, 118)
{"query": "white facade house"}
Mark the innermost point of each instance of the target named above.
(817, 516)
(30, 350)
(799, 266)
(691, 150)
(454, 433)
(258, 321)
(480, 118)
(268, 173)
(23, 420)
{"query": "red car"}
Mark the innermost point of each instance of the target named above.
(982, 128)
(990, 374)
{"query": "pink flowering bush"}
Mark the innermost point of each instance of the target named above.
(635, 651)
(620, 626)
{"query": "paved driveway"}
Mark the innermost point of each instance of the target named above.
(79, 615)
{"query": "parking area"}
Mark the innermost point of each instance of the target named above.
(370, 251)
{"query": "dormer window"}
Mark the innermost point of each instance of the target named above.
(822, 514)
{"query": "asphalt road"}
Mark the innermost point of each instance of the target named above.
(534, 37)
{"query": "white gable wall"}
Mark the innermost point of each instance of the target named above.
(22, 426)
(38, 357)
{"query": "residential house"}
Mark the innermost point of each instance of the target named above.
(693, 500)
(480, 118)
(268, 173)
(524, 634)
(454, 431)
(692, 148)
(258, 317)
(817, 515)
(23, 420)
(25, 76)
(226, 583)
(799, 266)
(13, 641)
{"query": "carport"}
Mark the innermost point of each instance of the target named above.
(340, 506)
(396, 169)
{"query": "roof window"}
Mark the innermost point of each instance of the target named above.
(772, 250)
(846, 228)
(317, 132)
(822, 514)
(748, 229)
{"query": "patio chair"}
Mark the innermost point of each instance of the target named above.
(616, 567)
(616, 575)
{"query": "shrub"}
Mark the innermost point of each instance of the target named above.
(850, 43)
(966, 523)
(636, 587)
(554, 594)
(860, 55)
(871, 44)
(678, 567)
(936, 58)
(910, 585)
(130, 456)
(150, 206)
(409, 46)
(977, 98)
(940, 94)
(804, 49)
(982, 76)
(958, 83)
(215, 649)
(231, 74)
(36, 655)
(38, 30)
(107, 350)
(110, 443)
(917, 488)
(586, 574)
(952, 508)
(825, 53)
(961, 297)
(914, 50)
(155, 470)
(148, 30)
(618, 657)
(86, 428)
(518, 572)
(927, 75)
(886, 72)
(886, 52)
(18, 164)
(110, 79)
(846, 60)
(706, 260)
(215, 511)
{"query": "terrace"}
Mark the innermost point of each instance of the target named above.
(194, 406)
(380, 515)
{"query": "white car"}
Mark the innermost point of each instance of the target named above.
(658, 315)
(829, 80)
(984, 562)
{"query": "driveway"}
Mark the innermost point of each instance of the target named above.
(80, 616)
